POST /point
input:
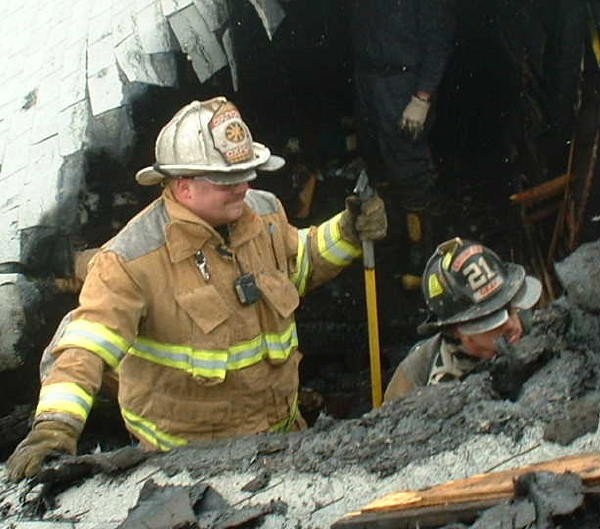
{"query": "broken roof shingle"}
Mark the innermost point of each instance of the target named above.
(64, 69)
(67, 62)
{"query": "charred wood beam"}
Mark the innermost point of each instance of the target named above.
(585, 195)
(546, 190)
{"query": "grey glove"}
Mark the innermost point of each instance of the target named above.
(414, 116)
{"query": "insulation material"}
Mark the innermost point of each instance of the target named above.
(73, 75)
(140, 67)
(214, 12)
(72, 124)
(106, 92)
(122, 23)
(170, 7)
(270, 13)
(133, 57)
(104, 84)
(198, 42)
(17, 151)
(228, 47)
(46, 115)
(153, 29)
(40, 197)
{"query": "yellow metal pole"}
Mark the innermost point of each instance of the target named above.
(373, 328)
(364, 192)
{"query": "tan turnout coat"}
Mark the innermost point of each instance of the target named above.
(430, 361)
(193, 362)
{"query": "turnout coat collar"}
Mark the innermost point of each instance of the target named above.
(187, 232)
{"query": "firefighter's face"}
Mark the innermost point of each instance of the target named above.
(483, 345)
(214, 203)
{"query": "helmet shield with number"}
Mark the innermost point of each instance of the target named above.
(465, 281)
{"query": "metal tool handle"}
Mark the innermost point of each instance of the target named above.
(364, 191)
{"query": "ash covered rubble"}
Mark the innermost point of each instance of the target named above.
(312, 478)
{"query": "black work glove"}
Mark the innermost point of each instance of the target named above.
(507, 371)
(508, 376)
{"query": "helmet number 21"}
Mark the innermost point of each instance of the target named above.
(478, 273)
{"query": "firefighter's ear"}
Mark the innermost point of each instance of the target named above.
(181, 188)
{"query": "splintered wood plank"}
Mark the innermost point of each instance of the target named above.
(464, 495)
(420, 517)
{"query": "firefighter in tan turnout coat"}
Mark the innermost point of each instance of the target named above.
(192, 303)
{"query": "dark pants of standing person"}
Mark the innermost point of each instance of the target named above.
(400, 167)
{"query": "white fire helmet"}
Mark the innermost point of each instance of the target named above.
(208, 138)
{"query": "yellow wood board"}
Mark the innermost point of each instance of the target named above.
(481, 487)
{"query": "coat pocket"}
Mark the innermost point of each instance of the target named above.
(279, 293)
(204, 306)
(195, 419)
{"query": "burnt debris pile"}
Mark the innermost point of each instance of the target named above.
(556, 402)
(558, 397)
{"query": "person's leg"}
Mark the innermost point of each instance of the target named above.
(411, 176)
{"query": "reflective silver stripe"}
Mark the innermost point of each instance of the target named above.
(285, 425)
(290, 342)
(272, 346)
(215, 363)
(148, 431)
(48, 358)
(65, 397)
(95, 338)
(241, 358)
(109, 347)
(331, 245)
(159, 351)
(300, 278)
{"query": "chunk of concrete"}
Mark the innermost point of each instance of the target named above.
(19, 299)
(579, 275)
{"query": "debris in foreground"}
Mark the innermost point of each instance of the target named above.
(522, 496)
(198, 505)
(437, 434)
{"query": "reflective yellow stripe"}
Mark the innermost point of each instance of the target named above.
(300, 277)
(332, 247)
(95, 338)
(285, 425)
(595, 40)
(65, 397)
(210, 364)
(216, 363)
(149, 432)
